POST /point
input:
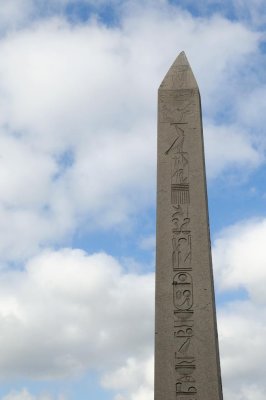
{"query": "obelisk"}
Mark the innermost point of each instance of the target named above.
(187, 363)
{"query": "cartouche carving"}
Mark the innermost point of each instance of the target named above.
(183, 293)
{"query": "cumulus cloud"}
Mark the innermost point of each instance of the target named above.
(66, 308)
(239, 261)
(134, 380)
(228, 147)
(242, 330)
(59, 108)
(250, 111)
(239, 258)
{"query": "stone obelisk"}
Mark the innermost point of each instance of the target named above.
(186, 346)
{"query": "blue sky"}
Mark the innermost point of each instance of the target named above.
(78, 98)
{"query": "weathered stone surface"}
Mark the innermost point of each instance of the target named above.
(186, 347)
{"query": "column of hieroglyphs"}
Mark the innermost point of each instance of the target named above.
(186, 349)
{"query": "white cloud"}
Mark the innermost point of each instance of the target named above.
(250, 111)
(229, 147)
(239, 258)
(62, 106)
(253, 10)
(13, 13)
(69, 312)
(242, 328)
(66, 308)
(25, 395)
(134, 380)
(247, 392)
(239, 261)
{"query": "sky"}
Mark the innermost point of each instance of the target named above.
(78, 99)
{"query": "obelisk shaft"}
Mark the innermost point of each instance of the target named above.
(186, 346)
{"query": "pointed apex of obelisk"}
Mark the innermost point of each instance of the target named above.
(181, 59)
(180, 75)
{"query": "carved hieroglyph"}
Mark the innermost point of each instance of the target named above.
(186, 347)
